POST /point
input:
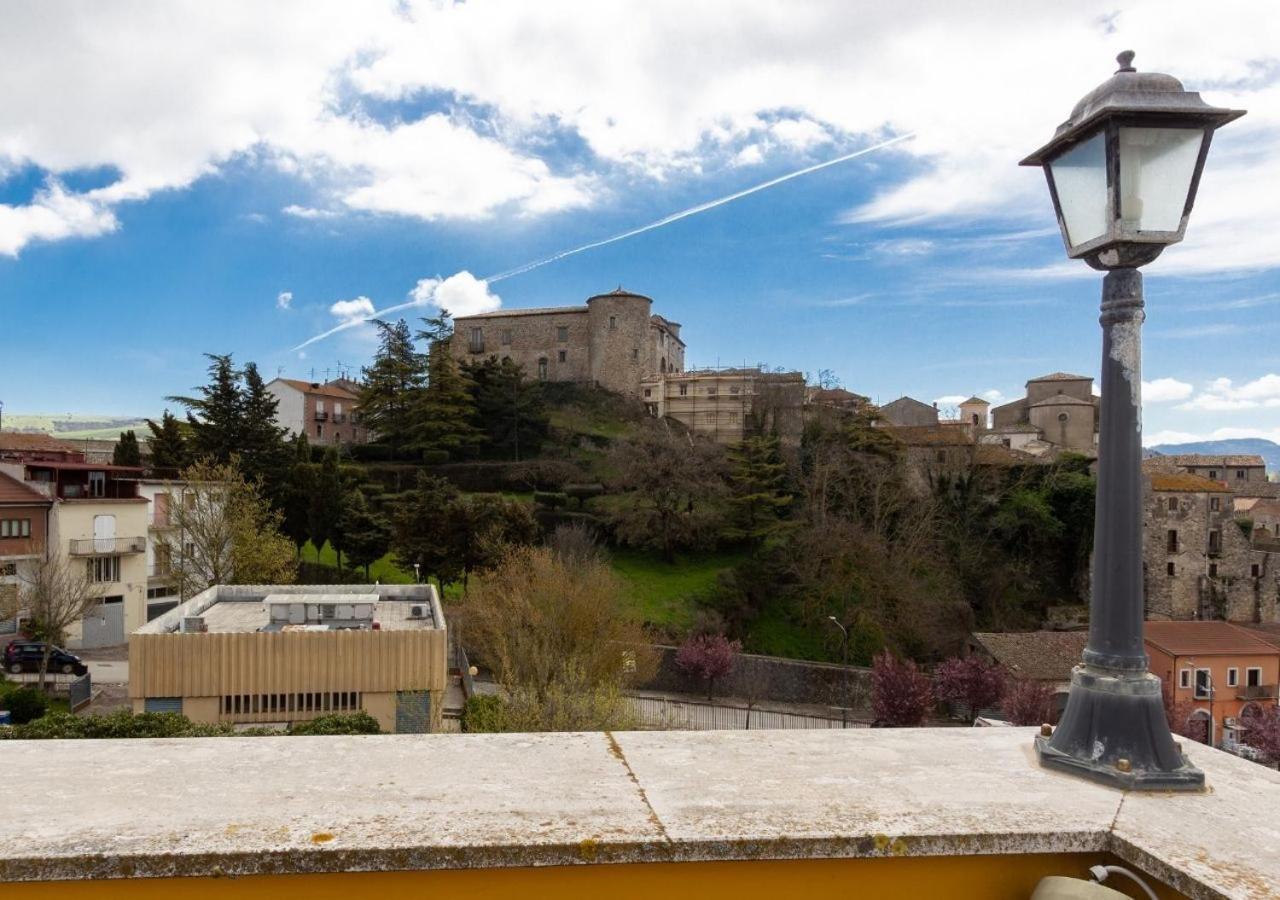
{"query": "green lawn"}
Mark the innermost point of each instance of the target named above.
(663, 593)
(384, 570)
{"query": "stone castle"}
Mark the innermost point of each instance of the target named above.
(614, 341)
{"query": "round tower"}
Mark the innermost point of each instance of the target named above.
(619, 322)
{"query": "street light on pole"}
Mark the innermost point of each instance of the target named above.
(844, 656)
(1123, 172)
(1195, 690)
(417, 577)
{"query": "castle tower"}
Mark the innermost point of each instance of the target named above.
(619, 327)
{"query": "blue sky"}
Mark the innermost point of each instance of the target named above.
(168, 171)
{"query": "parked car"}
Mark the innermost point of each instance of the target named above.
(24, 656)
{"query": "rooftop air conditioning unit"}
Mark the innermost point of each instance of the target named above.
(194, 625)
(416, 612)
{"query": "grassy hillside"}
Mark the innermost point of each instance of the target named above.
(76, 425)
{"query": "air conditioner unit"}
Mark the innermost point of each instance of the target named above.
(415, 612)
(194, 625)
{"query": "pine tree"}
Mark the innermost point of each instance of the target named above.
(444, 417)
(758, 498)
(264, 455)
(421, 532)
(326, 503)
(392, 385)
(511, 407)
(366, 536)
(127, 452)
(214, 416)
(296, 522)
(169, 451)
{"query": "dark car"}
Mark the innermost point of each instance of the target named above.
(24, 656)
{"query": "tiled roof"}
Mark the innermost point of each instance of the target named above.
(21, 440)
(14, 491)
(620, 291)
(1061, 400)
(1206, 459)
(531, 311)
(1060, 376)
(930, 436)
(321, 390)
(1038, 655)
(1015, 428)
(976, 400)
(1188, 638)
(1259, 507)
(1268, 631)
(999, 455)
(1186, 483)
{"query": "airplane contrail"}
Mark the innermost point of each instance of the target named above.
(622, 236)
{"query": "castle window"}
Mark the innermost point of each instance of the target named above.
(542, 369)
(684, 392)
(505, 337)
(709, 417)
(1213, 570)
(561, 356)
(1213, 473)
(1062, 417)
(1215, 541)
(477, 340)
(1171, 540)
(562, 333)
(1171, 569)
(635, 352)
(648, 392)
(1173, 504)
(613, 323)
(1240, 474)
(941, 456)
(1255, 571)
(1215, 504)
(733, 417)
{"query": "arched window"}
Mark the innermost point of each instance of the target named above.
(542, 369)
(662, 366)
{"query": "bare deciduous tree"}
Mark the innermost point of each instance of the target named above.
(55, 593)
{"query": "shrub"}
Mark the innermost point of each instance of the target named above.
(971, 682)
(708, 657)
(1028, 702)
(338, 723)
(435, 457)
(118, 724)
(900, 693)
(550, 499)
(583, 492)
(484, 714)
(24, 703)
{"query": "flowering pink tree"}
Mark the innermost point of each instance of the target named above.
(900, 693)
(970, 681)
(1263, 733)
(1028, 702)
(708, 656)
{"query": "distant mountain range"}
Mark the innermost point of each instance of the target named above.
(1268, 450)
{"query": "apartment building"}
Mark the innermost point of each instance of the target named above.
(96, 518)
(273, 655)
(24, 528)
(729, 404)
(1222, 673)
(1240, 472)
(328, 414)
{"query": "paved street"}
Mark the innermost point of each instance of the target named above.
(114, 671)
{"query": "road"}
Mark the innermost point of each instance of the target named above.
(113, 671)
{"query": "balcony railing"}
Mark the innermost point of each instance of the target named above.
(1256, 692)
(339, 418)
(322, 417)
(107, 546)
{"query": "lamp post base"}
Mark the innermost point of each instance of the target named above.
(1114, 732)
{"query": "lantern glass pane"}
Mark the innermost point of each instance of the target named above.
(1080, 179)
(1156, 168)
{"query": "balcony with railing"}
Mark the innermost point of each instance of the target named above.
(321, 416)
(112, 546)
(1256, 692)
(339, 418)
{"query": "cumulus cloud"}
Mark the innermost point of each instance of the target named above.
(284, 300)
(951, 399)
(52, 214)
(1165, 390)
(308, 212)
(461, 294)
(1224, 395)
(1174, 436)
(994, 397)
(361, 309)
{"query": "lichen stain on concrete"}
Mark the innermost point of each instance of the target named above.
(588, 849)
(892, 846)
(321, 837)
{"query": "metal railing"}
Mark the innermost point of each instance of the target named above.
(692, 715)
(1256, 692)
(464, 669)
(107, 546)
(80, 692)
(322, 417)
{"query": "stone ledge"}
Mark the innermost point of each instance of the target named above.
(236, 806)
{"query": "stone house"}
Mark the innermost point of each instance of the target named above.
(1061, 407)
(613, 341)
(1198, 563)
(1240, 472)
(328, 414)
(729, 404)
(908, 411)
(1044, 656)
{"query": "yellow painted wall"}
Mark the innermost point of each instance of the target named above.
(201, 709)
(382, 707)
(73, 520)
(940, 878)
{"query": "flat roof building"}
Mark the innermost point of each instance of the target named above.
(278, 654)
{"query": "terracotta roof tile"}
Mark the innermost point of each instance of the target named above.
(14, 491)
(1060, 376)
(21, 440)
(1215, 459)
(1186, 483)
(930, 436)
(1038, 655)
(1184, 638)
(322, 390)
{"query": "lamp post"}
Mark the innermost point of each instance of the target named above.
(1123, 172)
(1195, 690)
(417, 574)
(844, 656)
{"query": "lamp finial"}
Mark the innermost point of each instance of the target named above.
(1126, 61)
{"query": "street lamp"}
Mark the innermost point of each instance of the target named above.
(1123, 172)
(417, 575)
(1195, 692)
(844, 655)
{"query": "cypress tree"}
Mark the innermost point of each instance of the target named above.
(758, 499)
(126, 451)
(296, 522)
(326, 503)
(366, 536)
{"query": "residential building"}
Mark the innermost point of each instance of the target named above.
(162, 584)
(837, 399)
(613, 341)
(1198, 562)
(281, 654)
(328, 414)
(1221, 672)
(1044, 656)
(908, 411)
(96, 519)
(938, 453)
(1240, 472)
(24, 530)
(729, 404)
(1060, 406)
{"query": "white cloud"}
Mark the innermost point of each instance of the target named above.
(1165, 390)
(52, 214)
(360, 309)
(951, 399)
(1224, 395)
(1217, 434)
(461, 294)
(284, 300)
(166, 93)
(993, 396)
(308, 212)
